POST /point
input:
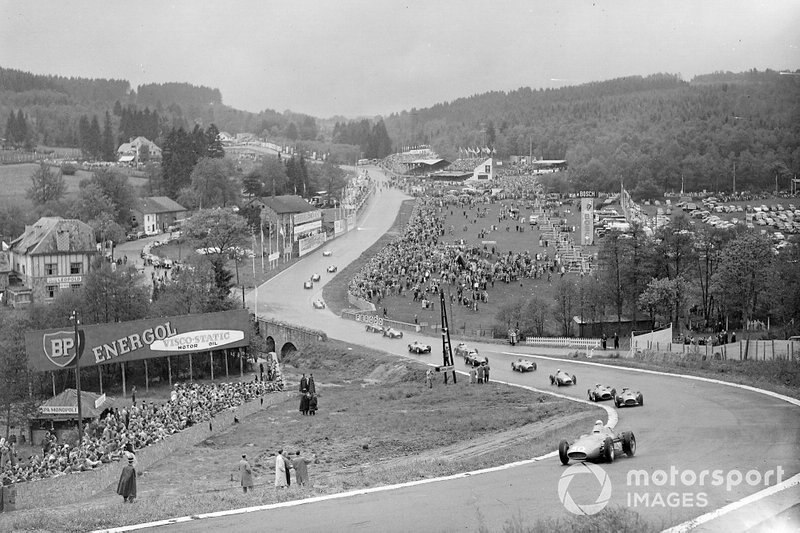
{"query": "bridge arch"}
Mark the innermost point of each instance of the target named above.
(269, 343)
(286, 349)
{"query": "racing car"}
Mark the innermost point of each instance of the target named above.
(563, 378)
(392, 333)
(601, 392)
(628, 398)
(417, 347)
(601, 444)
(327, 253)
(462, 350)
(374, 328)
(318, 304)
(315, 277)
(333, 268)
(523, 365)
(474, 359)
(308, 284)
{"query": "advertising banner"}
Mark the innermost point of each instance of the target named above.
(305, 228)
(308, 216)
(54, 349)
(338, 227)
(311, 243)
(587, 221)
(351, 222)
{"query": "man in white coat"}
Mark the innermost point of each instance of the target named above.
(280, 470)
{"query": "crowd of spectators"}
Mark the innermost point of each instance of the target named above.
(420, 261)
(116, 431)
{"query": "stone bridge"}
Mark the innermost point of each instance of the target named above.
(282, 338)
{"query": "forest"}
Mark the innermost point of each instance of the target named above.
(652, 133)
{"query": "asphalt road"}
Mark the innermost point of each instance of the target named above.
(686, 427)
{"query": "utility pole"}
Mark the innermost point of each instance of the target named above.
(74, 318)
(734, 177)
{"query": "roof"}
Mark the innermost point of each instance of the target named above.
(158, 204)
(69, 398)
(134, 145)
(126, 158)
(52, 235)
(287, 204)
(426, 162)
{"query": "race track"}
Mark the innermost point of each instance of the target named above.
(685, 427)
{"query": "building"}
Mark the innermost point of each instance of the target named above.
(155, 214)
(52, 255)
(484, 171)
(131, 152)
(296, 224)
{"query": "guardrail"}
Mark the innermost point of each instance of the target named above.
(567, 342)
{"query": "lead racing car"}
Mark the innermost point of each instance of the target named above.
(602, 444)
(523, 365)
(562, 378)
(601, 392)
(628, 398)
(419, 348)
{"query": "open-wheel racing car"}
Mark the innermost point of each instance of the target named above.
(308, 284)
(374, 328)
(523, 365)
(333, 268)
(562, 378)
(418, 348)
(318, 304)
(327, 253)
(601, 444)
(629, 398)
(392, 333)
(462, 349)
(474, 359)
(315, 277)
(601, 392)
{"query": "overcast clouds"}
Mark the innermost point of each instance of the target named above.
(375, 57)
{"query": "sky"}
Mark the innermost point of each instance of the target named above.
(358, 58)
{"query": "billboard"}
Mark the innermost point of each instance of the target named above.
(308, 216)
(311, 243)
(54, 349)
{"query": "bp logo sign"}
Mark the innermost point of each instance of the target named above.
(586, 471)
(59, 347)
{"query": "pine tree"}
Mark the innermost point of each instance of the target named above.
(95, 139)
(11, 128)
(109, 153)
(215, 149)
(83, 135)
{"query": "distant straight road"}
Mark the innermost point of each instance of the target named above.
(685, 426)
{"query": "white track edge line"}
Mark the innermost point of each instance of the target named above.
(760, 495)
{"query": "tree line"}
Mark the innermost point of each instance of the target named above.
(698, 278)
(373, 139)
(656, 134)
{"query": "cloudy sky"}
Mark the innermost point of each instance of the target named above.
(368, 57)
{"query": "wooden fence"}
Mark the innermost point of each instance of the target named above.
(566, 342)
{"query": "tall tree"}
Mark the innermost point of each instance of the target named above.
(742, 274)
(114, 294)
(214, 183)
(566, 303)
(219, 232)
(109, 150)
(46, 186)
(214, 144)
(95, 141)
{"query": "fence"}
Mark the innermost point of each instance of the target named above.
(75, 487)
(566, 342)
(762, 350)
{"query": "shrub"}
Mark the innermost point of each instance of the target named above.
(68, 169)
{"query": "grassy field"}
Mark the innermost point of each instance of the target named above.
(16, 179)
(378, 424)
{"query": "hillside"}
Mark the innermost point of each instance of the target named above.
(646, 131)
